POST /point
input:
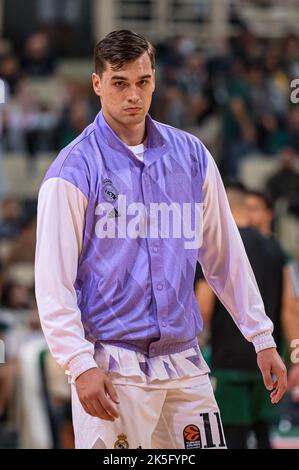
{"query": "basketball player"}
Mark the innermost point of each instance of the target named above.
(235, 375)
(118, 239)
(261, 214)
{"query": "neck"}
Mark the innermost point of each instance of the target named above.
(134, 134)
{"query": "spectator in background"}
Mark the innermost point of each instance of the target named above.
(285, 182)
(260, 216)
(259, 93)
(59, 19)
(272, 135)
(293, 128)
(16, 296)
(277, 79)
(39, 133)
(194, 83)
(8, 373)
(10, 218)
(31, 126)
(239, 132)
(37, 59)
(10, 71)
(173, 108)
(246, 45)
(1, 281)
(293, 332)
(23, 249)
(260, 212)
(243, 402)
(76, 118)
(291, 328)
(279, 284)
(3, 180)
(291, 55)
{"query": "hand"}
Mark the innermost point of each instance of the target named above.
(269, 363)
(93, 388)
(294, 382)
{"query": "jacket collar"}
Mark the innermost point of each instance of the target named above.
(156, 143)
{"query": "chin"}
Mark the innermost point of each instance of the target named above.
(134, 119)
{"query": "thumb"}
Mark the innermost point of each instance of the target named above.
(111, 391)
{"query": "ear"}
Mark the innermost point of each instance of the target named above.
(96, 82)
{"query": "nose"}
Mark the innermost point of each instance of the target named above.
(133, 95)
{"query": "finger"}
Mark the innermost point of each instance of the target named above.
(101, 412)
(275, 384)
(88, 408)
(107, 405)
(94, 408)
(280, 390)
(111, 391)
(276, 395)
(283, 380)
(267, 379)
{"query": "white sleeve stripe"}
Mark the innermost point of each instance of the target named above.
(225, 262)
(60, 224)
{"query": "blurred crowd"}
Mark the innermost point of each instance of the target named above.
(237, 92)
(31, 124)
(234, 95)
(243, 84)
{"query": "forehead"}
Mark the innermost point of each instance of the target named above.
(140, 66)
(256, 201)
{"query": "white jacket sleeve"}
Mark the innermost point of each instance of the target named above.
(60, 222)
(226, 266)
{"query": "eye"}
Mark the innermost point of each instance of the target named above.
(143, 82)
(119, 84)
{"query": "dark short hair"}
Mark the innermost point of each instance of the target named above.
(235, 185)
(120, 47)
(263, 197)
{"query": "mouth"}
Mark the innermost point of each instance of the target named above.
(133, 110)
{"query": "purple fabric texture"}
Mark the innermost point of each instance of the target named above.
(136, 293)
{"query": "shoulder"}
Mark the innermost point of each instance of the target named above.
(75, 161)
(277, 250)
(174, 135)
(253, 241)
(186, 147)
(74, 154)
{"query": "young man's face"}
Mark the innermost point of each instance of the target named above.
(126, 94)
(259, 216)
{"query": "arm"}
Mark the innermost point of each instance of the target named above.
(290, 312)
(290, 324)
(60, 223)
(228, 271)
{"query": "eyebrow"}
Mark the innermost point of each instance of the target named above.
(119, 77)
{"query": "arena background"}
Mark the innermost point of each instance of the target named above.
(225, 72)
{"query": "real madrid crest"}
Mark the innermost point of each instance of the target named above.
(110, 193)
(121, 442)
